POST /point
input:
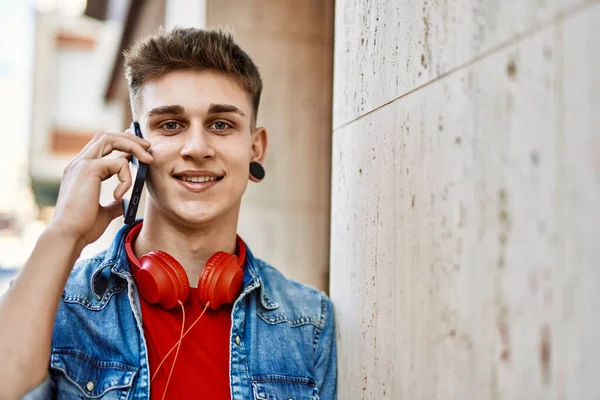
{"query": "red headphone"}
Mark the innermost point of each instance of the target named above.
(162, 280)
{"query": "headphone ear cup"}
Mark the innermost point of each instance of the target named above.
(220, 281)
(162, 280)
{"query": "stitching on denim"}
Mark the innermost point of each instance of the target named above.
(265, 299)
(257, 396)
(311, 384)
(131, 376)
(90, 396)
(117, 268)
(91, 360)
(143, 355)
(318, 332)
(306, 381)
(293, 322)
(83, 301)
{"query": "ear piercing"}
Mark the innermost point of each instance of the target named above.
(257, 172)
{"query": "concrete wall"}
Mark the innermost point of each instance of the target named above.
(466, 199)
(285, 218)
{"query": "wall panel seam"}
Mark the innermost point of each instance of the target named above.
(556, 20)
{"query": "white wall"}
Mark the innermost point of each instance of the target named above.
(465, 199)
(185, 13)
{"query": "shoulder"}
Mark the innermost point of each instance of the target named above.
(273, 279)
(296, 301)
(85, 268)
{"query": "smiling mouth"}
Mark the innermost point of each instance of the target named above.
(198, 179)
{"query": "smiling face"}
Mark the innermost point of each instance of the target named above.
(200, 125)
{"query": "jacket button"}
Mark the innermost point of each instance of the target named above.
(237, 340)
(90, 386)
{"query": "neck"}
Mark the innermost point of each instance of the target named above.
(192, 246)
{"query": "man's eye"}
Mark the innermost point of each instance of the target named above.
(171, 126)
(220, 126)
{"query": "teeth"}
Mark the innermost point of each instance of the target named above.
(198, 178)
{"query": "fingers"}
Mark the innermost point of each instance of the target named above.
(124, 176)
(105, 143)
(117, 166)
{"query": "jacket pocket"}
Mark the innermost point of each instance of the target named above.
(284, 387)
(80, 376)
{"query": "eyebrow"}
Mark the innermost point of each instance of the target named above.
(174, 109)
(224, 108)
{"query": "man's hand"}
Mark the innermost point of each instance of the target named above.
(78, 211)
(28, 309)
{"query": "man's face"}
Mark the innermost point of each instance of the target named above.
(199, 125)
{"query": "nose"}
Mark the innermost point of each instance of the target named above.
(198, 144)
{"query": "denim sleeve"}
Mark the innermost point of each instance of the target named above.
(41, 392)
(326, 356)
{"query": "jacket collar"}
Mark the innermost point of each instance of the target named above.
(115, 264)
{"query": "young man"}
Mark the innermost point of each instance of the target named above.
(162, 313)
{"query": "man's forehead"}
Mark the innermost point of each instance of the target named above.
(194, 91)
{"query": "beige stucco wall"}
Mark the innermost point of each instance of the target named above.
(466, 199)
(285, 218)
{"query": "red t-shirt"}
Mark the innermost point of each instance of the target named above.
(202, 367)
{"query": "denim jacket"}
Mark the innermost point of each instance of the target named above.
(282, 338)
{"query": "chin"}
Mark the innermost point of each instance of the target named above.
(195, 211)
(196, 215)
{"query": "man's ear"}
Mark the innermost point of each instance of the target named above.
(259, 144)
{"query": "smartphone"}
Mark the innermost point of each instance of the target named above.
(130, 206)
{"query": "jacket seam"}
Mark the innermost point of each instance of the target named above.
(318, 332)
(311, 384)
(129, 385)
(293, 322)
(96, 363)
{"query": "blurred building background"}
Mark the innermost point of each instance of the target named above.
(19, 227)
(79, 89)
(446, 165)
